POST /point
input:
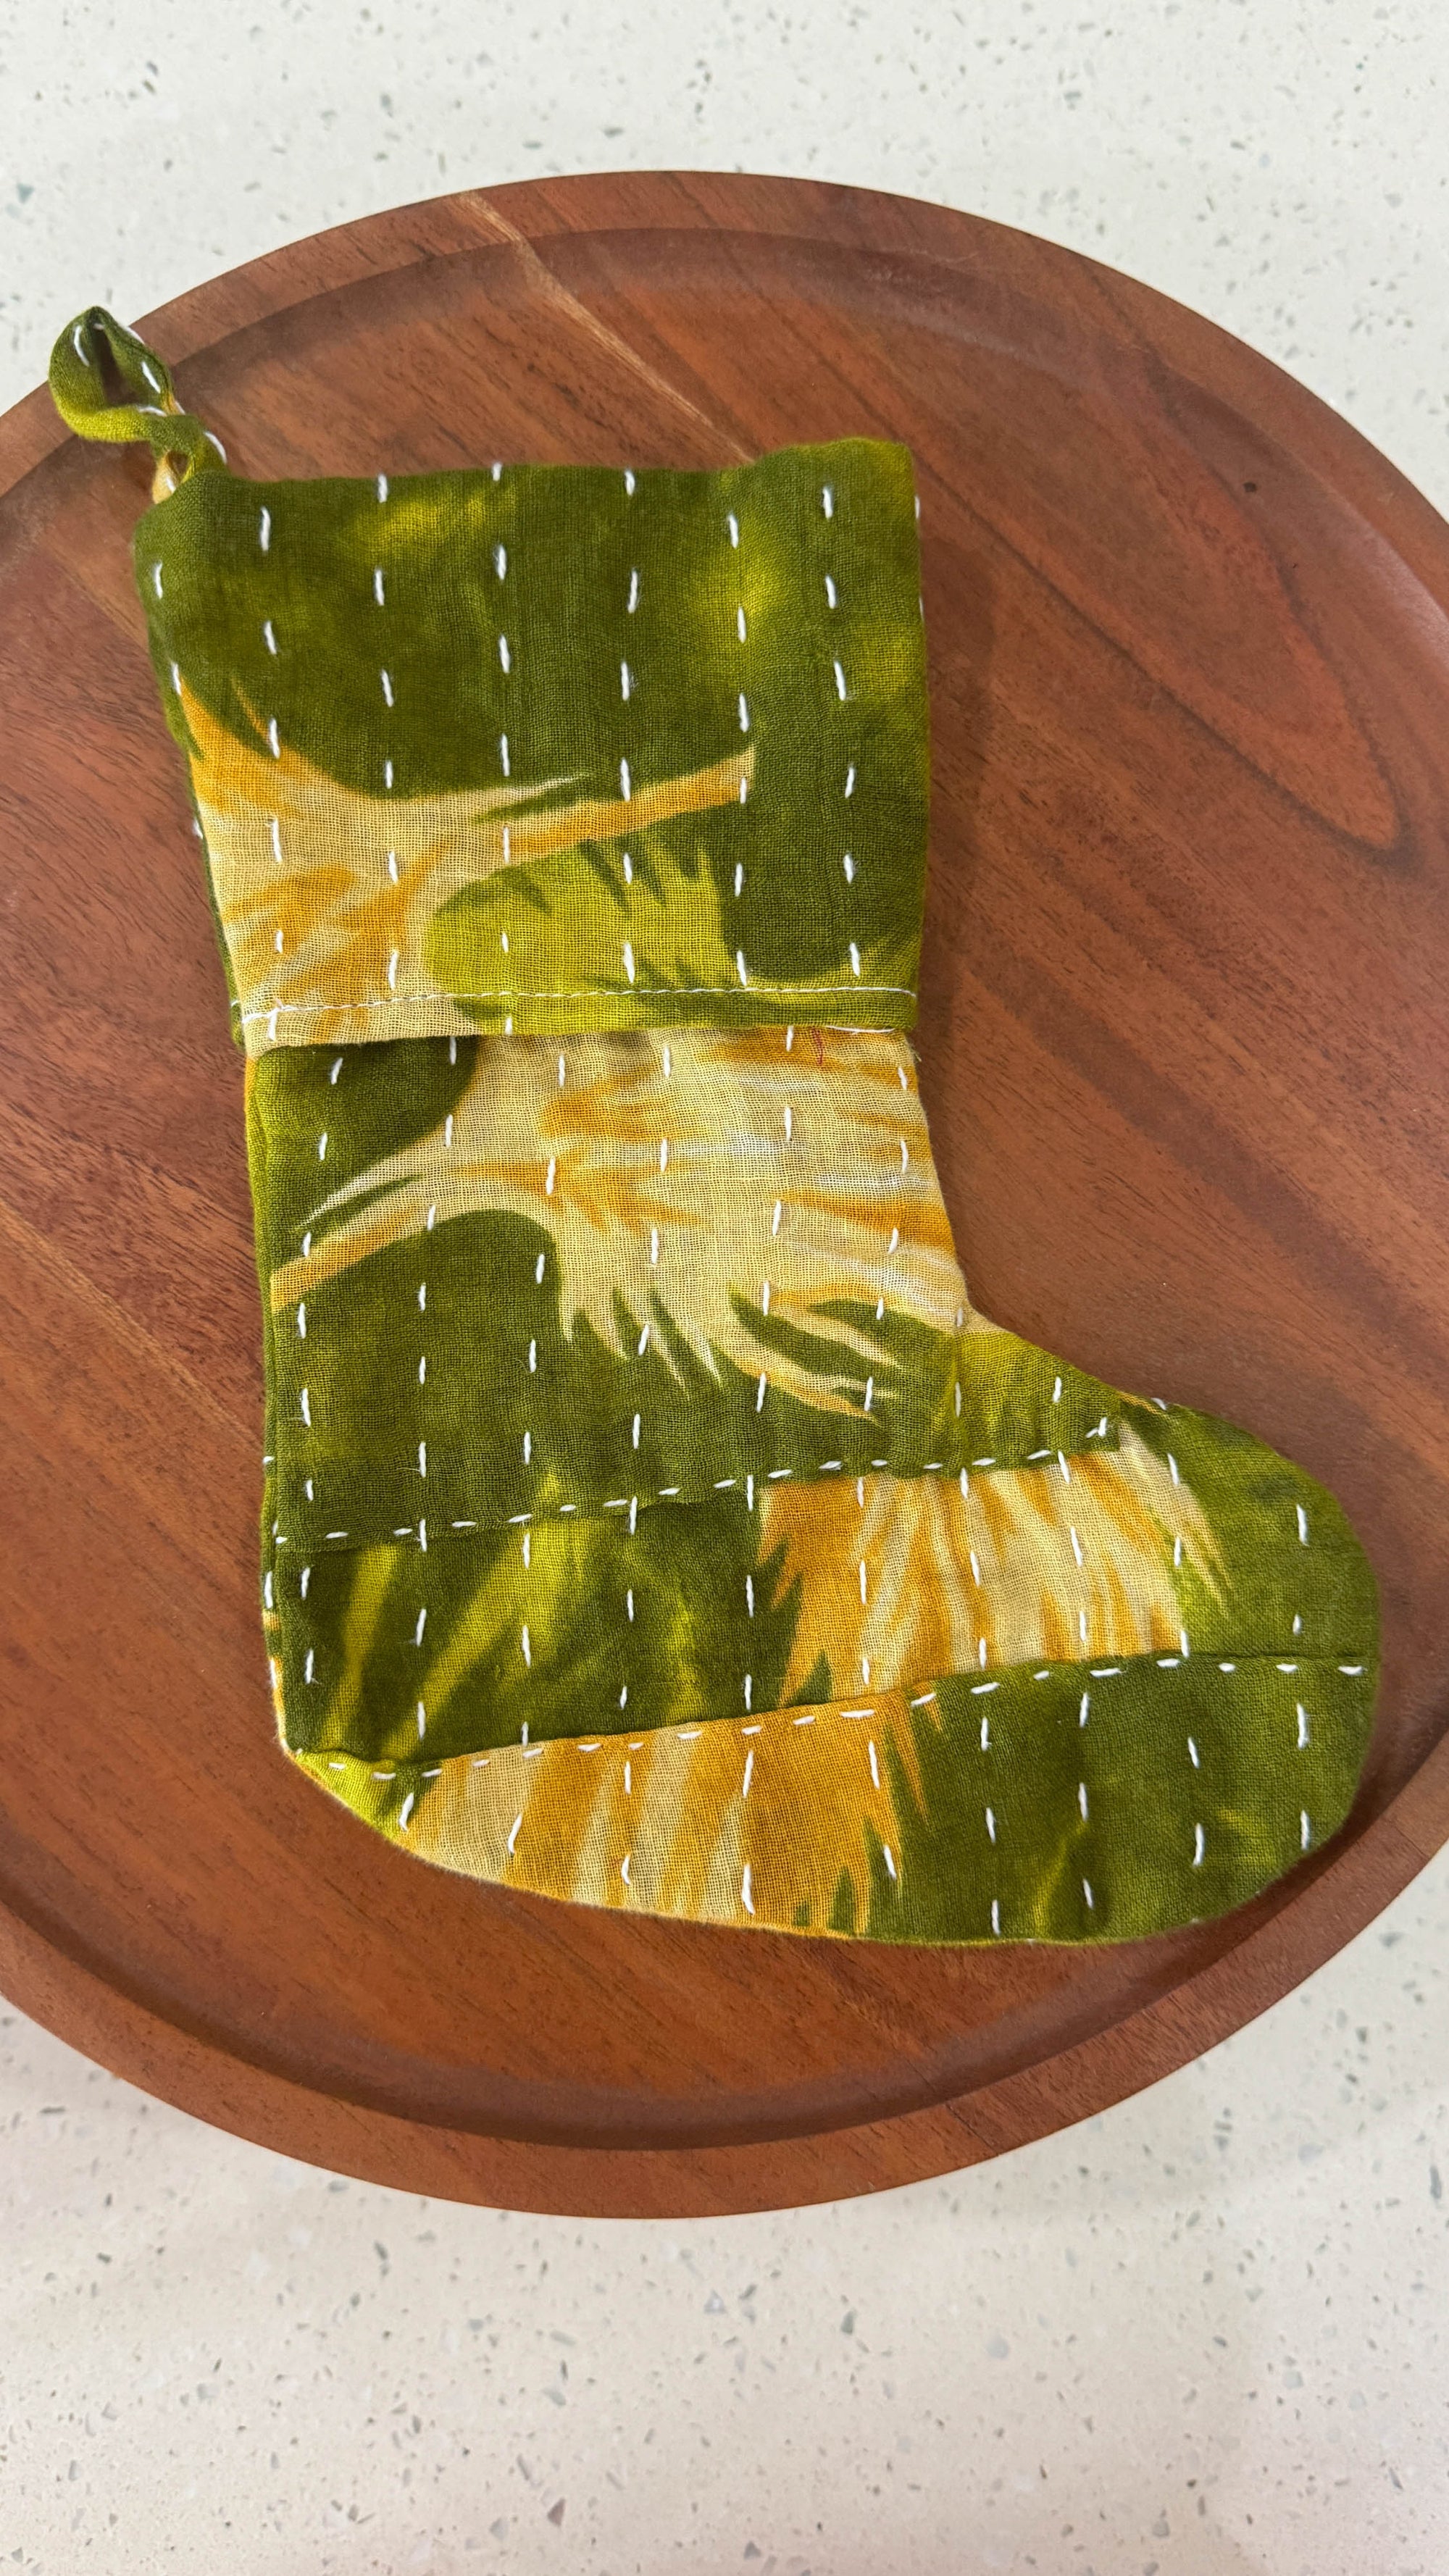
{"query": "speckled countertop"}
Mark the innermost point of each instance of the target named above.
(1201, 2336)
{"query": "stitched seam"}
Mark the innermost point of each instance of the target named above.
(404, 1766)
(584, 993)
(904, 1471)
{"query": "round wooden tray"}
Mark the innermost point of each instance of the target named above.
(1183, 1041)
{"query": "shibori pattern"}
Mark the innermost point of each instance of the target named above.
(650, 1520)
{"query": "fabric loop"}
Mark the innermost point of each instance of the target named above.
(180, 443)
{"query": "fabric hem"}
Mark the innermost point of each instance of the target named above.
(888, 1008)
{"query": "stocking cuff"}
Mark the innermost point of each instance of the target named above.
(540, 748)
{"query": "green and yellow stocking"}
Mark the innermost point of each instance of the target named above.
(651, 1521)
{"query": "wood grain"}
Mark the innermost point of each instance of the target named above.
(1183, 1042)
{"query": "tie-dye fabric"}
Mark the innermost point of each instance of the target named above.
(651, 1520)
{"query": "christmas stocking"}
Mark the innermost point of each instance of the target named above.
(650, 1520)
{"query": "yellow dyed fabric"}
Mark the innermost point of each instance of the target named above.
(651, 1520)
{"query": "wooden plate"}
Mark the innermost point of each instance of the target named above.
(1184, 1051)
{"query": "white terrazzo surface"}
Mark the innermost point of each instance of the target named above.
(1202, 2336)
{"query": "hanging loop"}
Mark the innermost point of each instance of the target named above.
(90, 354)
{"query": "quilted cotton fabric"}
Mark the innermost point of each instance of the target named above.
(651, 1520)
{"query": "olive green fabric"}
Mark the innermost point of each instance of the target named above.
(557, 749)
(97, 359)
(651, 1520)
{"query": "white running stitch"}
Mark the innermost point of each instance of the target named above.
(590, 993)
